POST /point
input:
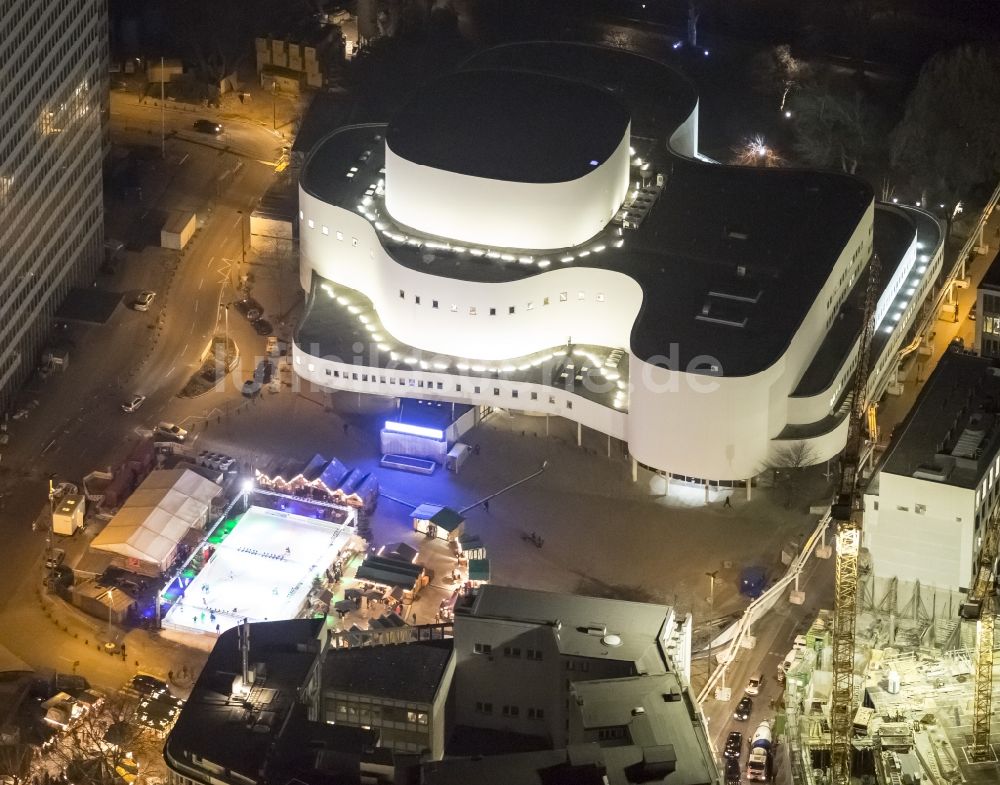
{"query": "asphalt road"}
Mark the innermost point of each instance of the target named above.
(74, 424)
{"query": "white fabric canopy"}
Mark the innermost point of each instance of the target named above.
(157, 516)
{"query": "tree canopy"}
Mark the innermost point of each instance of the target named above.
(948, 140)
(835, 126)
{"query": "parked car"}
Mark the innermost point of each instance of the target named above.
(264, 371)
(169, 430)
(263, 327)
(249, 308)
(208, 127)
(743, 709)
(133, 403)
(754, 685)
(143, 300)
(734, 745)
(145, 684)
(55, 558)
(733, 774)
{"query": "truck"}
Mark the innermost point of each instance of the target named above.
(759, 762)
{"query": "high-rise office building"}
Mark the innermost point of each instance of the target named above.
(53, 79)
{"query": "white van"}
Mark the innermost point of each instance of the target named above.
(754, 685)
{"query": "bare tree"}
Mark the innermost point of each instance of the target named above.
(835, 128)
(776, 72)
(15, 763)
(754, 151)
(947, 141)
(786, 463)
(106, 743)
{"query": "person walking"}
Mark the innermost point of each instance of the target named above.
(486, 505)
(728, 504)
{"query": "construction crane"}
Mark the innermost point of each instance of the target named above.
(982, 605)
(847, 511)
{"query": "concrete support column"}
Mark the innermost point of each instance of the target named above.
(749, 488)
(666, 491)
(705, 483)
(579, 435)
(609, 445)
(635, 470)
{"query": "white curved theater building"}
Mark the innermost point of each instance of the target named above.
(536, 232)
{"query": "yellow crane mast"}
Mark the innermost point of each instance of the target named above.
(848, 513)
(982, 606)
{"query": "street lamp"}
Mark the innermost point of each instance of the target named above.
(243, 239)
(711, 587)
(111, 607)
(49, 530)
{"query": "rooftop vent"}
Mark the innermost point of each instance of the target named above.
(637, 711)
(718, 313)
(597, 629)
(968, 444)
(932, 473)
(612, 640)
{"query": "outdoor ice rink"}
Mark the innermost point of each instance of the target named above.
(262, 571)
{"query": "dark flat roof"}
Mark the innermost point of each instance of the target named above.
(402, 671)
(509, 125)
(434, 414)
(214, 727)
(953, 430)
(894, 231)
(637, 624)
(658, 97)
(991, 278)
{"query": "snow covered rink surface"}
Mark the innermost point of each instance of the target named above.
(262, 571)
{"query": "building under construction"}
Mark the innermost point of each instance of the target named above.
(914, 693)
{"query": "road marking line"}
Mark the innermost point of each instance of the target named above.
(201, 282)
(172, 368)
(182, 352)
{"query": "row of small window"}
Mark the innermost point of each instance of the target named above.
(507, 710)
(473, 310)
(389, 715)
(919, 509)
(326, 230)
(515, 652)
(477, 389)
(508, 651)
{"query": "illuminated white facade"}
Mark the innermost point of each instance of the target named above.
(537, 216)
(473, 339)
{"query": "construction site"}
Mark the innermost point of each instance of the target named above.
(914, 692)
(895, 684)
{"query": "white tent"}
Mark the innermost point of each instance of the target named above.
(156, 517)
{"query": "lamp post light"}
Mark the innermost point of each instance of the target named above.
(49, 531)
(111, 608)
(247, 487)
(711, 587)
(243, 238)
